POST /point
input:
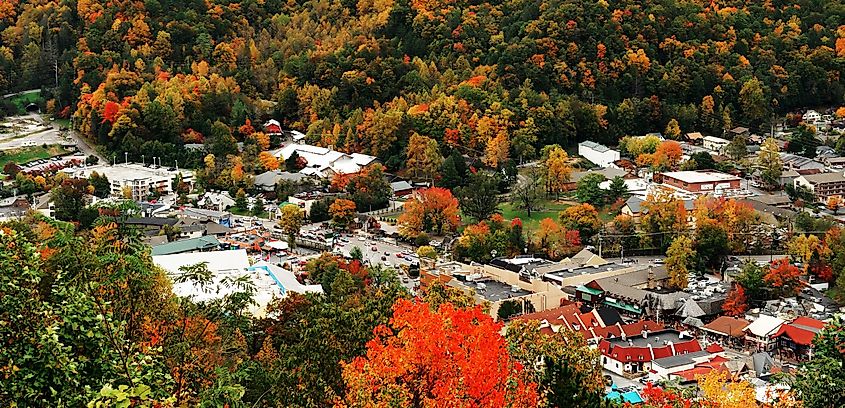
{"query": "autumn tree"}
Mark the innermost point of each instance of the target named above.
(679, 261)
(673, 129)
(412, 362)
(290, 221)
(582, 218)
(737, 148)
(423, 157)
(821, 381)
(555, 240)
(770, 163)
(432, 210)
(556, 168)
(834, 203)
(783, 277)
(342, 212)
(736, 303)
(718, 389)
(753, 100)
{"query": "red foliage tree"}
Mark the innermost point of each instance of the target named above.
(446, 358)
(784, 276)
(736, 304)
(110, 111)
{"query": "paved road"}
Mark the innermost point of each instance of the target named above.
(84, 147)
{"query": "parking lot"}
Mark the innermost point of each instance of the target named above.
(29, 130)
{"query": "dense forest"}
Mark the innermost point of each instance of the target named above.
(495, 79)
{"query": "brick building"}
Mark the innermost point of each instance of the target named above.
(699, 182)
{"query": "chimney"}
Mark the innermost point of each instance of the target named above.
(651, 284)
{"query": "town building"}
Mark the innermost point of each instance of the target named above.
(796, 162)
(267, 181)
(695, 137)
(226, 266)
(823, 185)
(273, 127)
(739, 131)
(598, 154)
(631, 355)
(12, 208)
(714, 144)
(141, 180)
(325, 162)
(760, 334)
(700, 182)
(199, 244)
(726, 331)
(811, 117)
(795, 339)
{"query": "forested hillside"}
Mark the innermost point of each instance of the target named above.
(499, 79)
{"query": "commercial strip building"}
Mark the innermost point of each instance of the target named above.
(325, 162)
(700, 182)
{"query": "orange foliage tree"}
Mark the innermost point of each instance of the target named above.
(269, 161)
(342, 212)
(431, 210)
(736, 303)
(783, 276)
(450, 357)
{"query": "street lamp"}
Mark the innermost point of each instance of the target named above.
(143, 162)
(126, 157)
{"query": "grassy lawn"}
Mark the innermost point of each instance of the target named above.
(60, 123)
(248, 213)
(27, 154)
(549, 209)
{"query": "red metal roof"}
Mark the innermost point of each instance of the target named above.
(801, 330)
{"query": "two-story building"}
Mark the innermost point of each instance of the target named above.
(634, 354)
(700, 182)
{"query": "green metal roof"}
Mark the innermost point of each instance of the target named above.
(589, 290)
(623, 306)
(186, 245)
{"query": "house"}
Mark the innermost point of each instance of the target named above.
(401, 188)
(695, 137)
(714, 144)
(725, 330)
(598, 154)
(688, 366)
(823, 185)
(770, 214)
(739, 131)
(635, 185)
(215, 201)
(568, 317)
(795, 339)
(811, 117)
(13, 208)
(325, 162)
(780, 200)
(631, 355)
(700, 182)
(273, 127)
(760, 333)
(267, 181)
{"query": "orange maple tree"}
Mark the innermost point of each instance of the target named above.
(784, 276)
(449, 357)
(433, 209)
(736, 304)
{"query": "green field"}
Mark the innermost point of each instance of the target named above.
(27, 154)
(549, 209)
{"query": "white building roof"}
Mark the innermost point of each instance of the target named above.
(322, 158)
(285, 279)
(700, 176)
(222, 264)
(297, 135)
(764, 326)
(715, 139)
